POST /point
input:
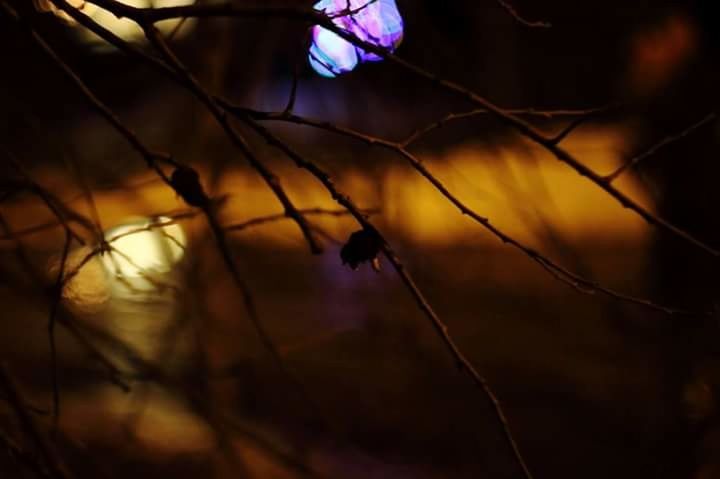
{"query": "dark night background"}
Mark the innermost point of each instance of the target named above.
(592, 387)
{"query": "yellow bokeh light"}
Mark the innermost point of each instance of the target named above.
(86, 290)
(521, 188)
(129, 30)
(144, 247)
(167, 427)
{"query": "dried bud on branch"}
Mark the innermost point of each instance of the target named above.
(363, 245)
(186, 183)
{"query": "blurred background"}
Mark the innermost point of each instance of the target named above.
(592, 387)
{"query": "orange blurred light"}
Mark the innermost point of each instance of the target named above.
(658, 54)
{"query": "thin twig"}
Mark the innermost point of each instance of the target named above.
(272, 181)
(577, 122)
(633, 162)
(62, 317)
(345, 201)
(347, 11)
(514, 13)
(145, 16)
(150, 157)
(87, 192)
(175, 217)
(532, 112)
(558, 271)
(277, 217)
(299, 55)
(62, 213)
(269, 177)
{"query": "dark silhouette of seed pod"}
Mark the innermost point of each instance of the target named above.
(186, 182)
(362, 246)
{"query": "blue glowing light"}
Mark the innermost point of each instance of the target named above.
(330, 55)
(377, 22)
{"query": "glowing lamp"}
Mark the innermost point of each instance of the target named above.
(144, 247)
(124, 28)
(377, 22)
(129, 30)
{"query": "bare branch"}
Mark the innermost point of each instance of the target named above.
(556, 269)
(61, 316)
(345, 201)
(272, 181)
(572, 126)
(272, 218)
(532, 112)
(145, 16)
(173, 67)
(270, 178)
(150, 157)
(56, 207)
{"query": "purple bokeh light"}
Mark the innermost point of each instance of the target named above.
(377, 22)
